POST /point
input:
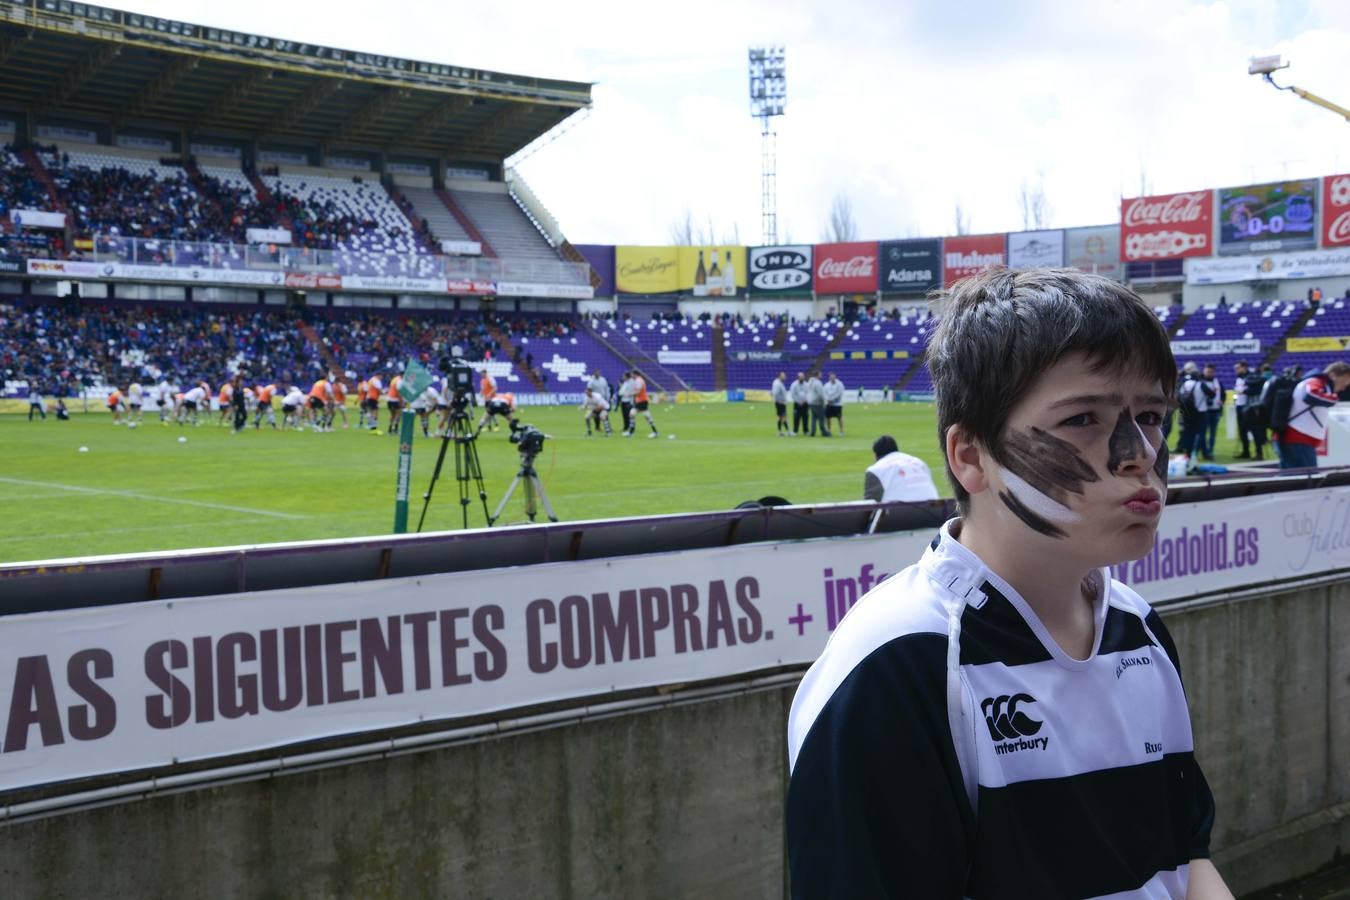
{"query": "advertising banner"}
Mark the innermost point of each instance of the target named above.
(711, 271)
(684, 357)
(846, 268)
(1216, 347)
(777, 270)
(968, 255)
(1167, 226)
(36, 218)
(1317, 344)
(64, 268)
(462, 248)
(911, 267)
(601, 258)
(1095, 250)
(470, 286)
(393, 283)
(555, 291)
(1336, 210)
(12, 265)
(1261, 218)
(1272, 267)
(121, 688)
(268, 236)
(647, 270)
(313, 282)
(193, 274)
(758, 355)
(1035, 249)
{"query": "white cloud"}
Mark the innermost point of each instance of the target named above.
(905, 107)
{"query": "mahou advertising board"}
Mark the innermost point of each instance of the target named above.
(1168, 226)
(846, 268)
(971, 254)
(1336, 211)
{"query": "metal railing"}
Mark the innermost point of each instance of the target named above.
(304, 260)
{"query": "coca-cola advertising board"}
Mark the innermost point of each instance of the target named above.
(1336, 210)
(1167, 226)
(970, 254)
(911, 267)
(846, 268)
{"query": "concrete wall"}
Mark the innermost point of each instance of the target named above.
(687, 801)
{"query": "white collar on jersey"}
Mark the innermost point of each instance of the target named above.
(955, 568)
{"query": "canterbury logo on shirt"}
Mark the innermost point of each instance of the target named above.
(1009, 726)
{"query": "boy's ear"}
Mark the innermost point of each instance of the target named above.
(967, 460)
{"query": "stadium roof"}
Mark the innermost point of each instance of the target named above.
(61, 60)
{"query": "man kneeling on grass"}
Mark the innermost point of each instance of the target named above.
(1002, 719)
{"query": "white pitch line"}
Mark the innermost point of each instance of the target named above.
(133, 495)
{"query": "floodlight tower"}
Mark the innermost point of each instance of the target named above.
(768, 97)
(1267, 66)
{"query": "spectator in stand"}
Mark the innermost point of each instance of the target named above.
(1305, 426)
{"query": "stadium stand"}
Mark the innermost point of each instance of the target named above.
(502, 222)
(69, 346)
(441, 221)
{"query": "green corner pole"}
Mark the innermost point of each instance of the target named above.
(405, 439)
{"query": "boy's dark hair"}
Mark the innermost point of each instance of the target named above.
(1001, 329)
(883, 446)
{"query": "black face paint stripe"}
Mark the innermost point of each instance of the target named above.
(1031, 519)
(1051, 465)
(1160, 464)
(1126, 442)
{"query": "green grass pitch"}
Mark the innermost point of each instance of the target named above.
(141, 489)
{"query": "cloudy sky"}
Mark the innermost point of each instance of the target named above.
(906, 108)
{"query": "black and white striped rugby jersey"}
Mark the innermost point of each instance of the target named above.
(943, 745)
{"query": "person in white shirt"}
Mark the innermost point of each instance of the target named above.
(627, 390)
(596, 408)
(834, 403)
(780, 401)
(598, 384)
(800, 403)
(896, 475)
(425, 402)
(292, 405)
(194, 399)
(135, 397)
(815, 397)
(163, 397)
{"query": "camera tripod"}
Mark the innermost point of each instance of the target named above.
(462, 435)
(534, 491)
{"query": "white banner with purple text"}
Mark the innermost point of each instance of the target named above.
(120, 688)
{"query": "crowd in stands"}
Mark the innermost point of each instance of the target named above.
(62, 347)
(20, 188)
(114, 201)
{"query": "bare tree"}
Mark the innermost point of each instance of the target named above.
(962, 216)
(841, 226)
(1145, 183)
(1035, 206)
(682, 230)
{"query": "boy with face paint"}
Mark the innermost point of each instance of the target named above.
(1004, 706)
